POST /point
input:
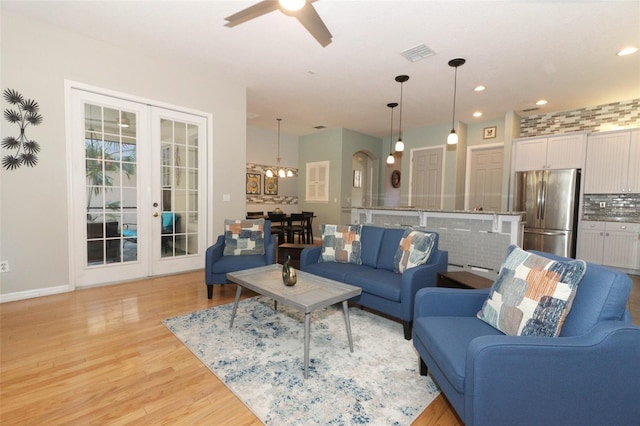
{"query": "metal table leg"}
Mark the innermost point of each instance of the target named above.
(307, 328)
(235, 305)
(345, 308)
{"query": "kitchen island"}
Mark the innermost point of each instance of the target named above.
(477, 241)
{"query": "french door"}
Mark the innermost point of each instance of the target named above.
(138, 189)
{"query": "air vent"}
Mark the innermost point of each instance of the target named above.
(530, 109)
(417, 53)
(320, 127)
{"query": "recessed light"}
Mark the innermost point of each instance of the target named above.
(627, 51)
(541, 102)
(477, 114)
(479, 88)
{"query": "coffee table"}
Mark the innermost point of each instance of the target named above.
(311, 292)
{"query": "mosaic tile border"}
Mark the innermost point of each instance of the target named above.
(613, 116)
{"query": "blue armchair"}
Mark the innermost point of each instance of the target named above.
(589, 375)
(217, 265)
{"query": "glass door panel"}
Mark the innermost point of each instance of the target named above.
(111, 184)
(179, 163)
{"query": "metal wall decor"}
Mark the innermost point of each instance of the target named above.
(23, 112)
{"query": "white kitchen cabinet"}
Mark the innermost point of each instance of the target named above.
(613, 163)
(551, 152)
(614, 244)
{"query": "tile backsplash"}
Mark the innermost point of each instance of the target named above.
(617, 207)
(617, 115)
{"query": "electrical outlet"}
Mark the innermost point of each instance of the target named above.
(603, 204)
(4, 266)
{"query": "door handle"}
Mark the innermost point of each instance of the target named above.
(155, 214)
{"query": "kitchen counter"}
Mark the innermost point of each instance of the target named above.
(601, 218)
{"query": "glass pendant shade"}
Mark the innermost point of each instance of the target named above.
(269, 173)
(452, 139)
(390, 159)
(289, 173)
(282, 173)
(399, 146)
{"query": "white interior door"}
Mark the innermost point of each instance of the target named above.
(426, 178)
(484, 186)
(137, 183)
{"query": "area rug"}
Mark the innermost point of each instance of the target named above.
(261, 359)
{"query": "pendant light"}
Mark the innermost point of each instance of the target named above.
(390, 158)
(399, 144)
(452, 139)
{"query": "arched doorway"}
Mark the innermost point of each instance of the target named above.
(362, 179)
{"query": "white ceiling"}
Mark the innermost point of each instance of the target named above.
(564, 52)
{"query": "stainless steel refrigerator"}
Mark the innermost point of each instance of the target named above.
(550, 199)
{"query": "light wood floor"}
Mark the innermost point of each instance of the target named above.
(101, 356)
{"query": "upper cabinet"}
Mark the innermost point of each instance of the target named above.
(613, 163)
(550, 152)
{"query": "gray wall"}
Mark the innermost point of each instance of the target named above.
(36, 60)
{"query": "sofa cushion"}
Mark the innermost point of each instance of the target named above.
(450, 352)
(390, 241)
(238, 263)
(333, 270)
(371, 239)
(381, 283)
(243, 237)
(532, 294)
(414, 249)
(341, 243)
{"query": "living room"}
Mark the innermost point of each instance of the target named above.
(39, 57)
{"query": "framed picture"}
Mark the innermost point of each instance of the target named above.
(271, 185)
(357, 178)
(253, 183)
(489, 132)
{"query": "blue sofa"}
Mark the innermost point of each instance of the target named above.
(382, 289)
(588, 375)
(217, 265)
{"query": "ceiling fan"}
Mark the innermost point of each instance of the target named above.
(302, 10)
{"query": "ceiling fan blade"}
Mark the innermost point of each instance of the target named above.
(251, 12)
(313, 23)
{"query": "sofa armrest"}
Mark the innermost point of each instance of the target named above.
(418, 277)
(449, 302)
(309, 255)
(212, 255)
(589, 379)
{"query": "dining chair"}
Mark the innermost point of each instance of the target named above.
(309, 226)
(278, 225)
(297, 225)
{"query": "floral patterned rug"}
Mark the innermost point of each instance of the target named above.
(261, 359)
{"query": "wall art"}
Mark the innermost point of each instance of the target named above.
(22, 112)
(253, 183)
(271, 185)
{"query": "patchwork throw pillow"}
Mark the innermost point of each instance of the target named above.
(414, 249)
(532, 295)
(341, 243)
(243, 237)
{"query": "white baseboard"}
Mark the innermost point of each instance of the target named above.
(29, 294)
